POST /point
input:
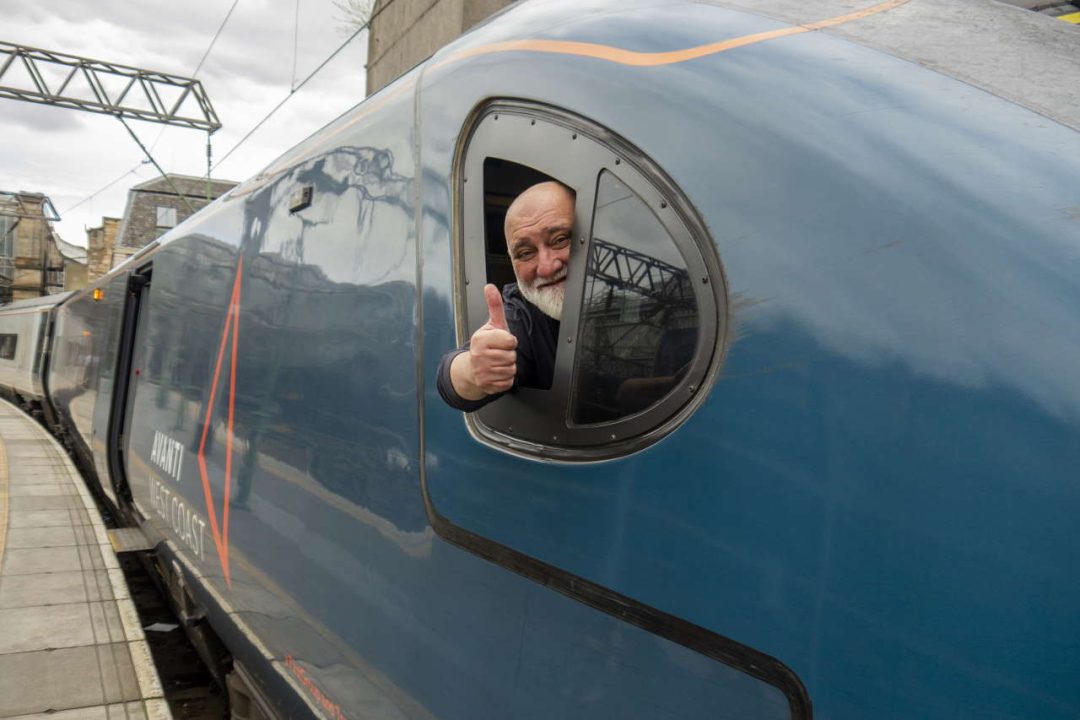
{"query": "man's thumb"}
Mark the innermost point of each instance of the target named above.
(496, 314)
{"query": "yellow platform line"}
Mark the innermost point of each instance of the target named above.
(3, 500)
(1073, 18)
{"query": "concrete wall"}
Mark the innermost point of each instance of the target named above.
(406, 32)
(75, 275)
(478, 10)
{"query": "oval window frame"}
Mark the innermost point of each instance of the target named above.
(537, 423)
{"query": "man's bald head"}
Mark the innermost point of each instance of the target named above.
(537, 197)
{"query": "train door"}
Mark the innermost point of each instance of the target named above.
(580, 482)
(135, 303)
(43, 366)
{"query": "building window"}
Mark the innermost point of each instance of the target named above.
(642, 321)
(8, 342)
(7, 235)
(166, 217)
(7, 254)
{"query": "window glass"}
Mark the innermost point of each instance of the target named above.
(7, 236)
(7, 256)
(166, 217)
(7, 346)
(639, 318)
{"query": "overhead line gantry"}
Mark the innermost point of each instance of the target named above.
(82, 83)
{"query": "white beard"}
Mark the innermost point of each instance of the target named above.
(548, 299)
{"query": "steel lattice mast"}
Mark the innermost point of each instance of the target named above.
(82, 86)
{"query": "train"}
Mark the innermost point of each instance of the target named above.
(846, 234)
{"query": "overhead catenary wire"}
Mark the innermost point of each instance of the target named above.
(150, 157)
(303, 82)
(214, 39)
(293, 89)
(202, 60)
(194, 74)
(104, 187)
(295, 45)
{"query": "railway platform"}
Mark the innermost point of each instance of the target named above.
(71, 643)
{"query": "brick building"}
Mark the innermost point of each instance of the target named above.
(100, 247)
(75, 271)
(153, 208)
(157, 205)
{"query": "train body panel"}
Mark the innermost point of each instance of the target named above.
(263, 470)
(854, 502)
(24, 329)
(83, 369)
(883, 381)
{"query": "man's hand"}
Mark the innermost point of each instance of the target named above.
(489, 366)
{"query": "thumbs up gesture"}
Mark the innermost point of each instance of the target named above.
(490, 364)
(496, 312)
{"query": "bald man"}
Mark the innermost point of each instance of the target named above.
(516, 346)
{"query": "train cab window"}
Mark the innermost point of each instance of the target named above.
(7, 346)
(641, 325)
(639, 320)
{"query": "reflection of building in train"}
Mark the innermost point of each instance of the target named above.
(277, 383)
(34, 261)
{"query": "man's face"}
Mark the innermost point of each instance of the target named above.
(538, 228)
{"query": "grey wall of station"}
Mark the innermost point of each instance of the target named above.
(405, 32)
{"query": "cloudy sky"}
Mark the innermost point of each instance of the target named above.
(71, 155)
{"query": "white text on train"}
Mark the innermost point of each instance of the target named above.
(167, 454)
(185, 522)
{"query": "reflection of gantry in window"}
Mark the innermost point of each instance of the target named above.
(52, 78)
(633, 302)
(643, 274)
